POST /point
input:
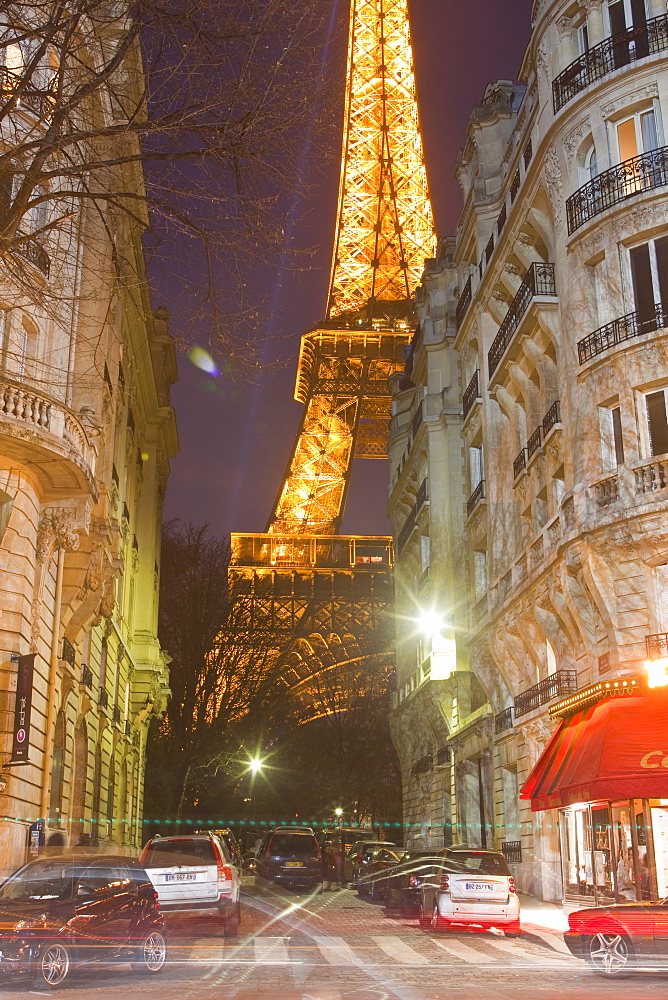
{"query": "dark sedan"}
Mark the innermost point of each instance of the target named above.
(613, 939)
(62, 912)
(400, 886)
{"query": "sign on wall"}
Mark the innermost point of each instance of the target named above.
(21, 736)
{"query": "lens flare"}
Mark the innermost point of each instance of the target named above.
(203, 360)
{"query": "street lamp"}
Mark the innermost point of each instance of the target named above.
(255, 765)
(442, 649)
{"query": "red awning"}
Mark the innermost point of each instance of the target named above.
(616, 749)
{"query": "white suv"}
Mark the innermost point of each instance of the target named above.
(194, 872)
(471, 887)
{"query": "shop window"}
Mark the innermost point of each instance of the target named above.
(656, 404)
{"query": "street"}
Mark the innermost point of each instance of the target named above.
(336, 947)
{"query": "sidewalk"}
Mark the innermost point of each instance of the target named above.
(538, 913)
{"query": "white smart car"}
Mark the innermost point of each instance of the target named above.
(472, 887)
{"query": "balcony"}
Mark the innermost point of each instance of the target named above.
(36, 102)
(68, 653)
(103, 698)
(647, 172)
(464, 302)
(607, 492)
(503, 721)
(538, 281)
(657, 646)
(471, 394)
(535, 442)
(116, 716)
(652, 476)
(551, 419)
(421, 499)
(557, 685)
(313, 552)
(620, 330)
(39, 431)
(35, 254)
(86, 676)
(475, 498)
(418, 420)
(520, 464)
(423, 765)
(609, 55)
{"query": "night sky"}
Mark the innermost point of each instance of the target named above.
(236, 439)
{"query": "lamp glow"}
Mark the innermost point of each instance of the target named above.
(256, 765)
(430, 622)
(657, 672)
(338, 812)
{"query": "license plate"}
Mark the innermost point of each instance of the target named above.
(294, 864)
(181, 877)
(480, 887)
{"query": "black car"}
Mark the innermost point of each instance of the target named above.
(400, 887)
(613, 939)
(289, 857)
(62, 912)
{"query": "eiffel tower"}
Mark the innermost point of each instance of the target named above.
(324, 596)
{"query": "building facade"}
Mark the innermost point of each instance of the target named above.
(86, 434)
(552, 304)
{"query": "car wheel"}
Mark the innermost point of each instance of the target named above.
(54, 966)
(231, 924)
(151, 954)
(512, 930)
(437, 922)
(609, 954)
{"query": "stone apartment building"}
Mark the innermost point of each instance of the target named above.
(86, 434)
(529, 469)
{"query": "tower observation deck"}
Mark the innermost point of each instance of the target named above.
(326, 596)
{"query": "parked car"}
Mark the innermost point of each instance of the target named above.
(613, 939)
(471, 887)
(195, 872)
(359, 856)
(230, 841)
(346, 836)
(400, 887)
(63, 912)
(368, 878)
(291, 857)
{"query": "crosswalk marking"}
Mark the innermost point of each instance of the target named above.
(465, 952)
(398, 950)
(523, 955)
(335, 951)
(270, 951)
(555, 941)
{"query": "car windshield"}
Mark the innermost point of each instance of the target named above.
(298, 844)
(45, 882)
(479, 861)
(167, 853)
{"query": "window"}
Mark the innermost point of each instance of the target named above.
(583, 38)
(656, 404)
(14, 61)
(425, 547)
(476, 466)
(624, 15)
(479, 572)
(612, 442)
(637, 134)
(649, 276)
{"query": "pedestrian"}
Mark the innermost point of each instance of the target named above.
(333, 867)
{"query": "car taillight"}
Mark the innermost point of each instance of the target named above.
(360, 858)
(445, 883)
(224, 873)
(511, 884)
(413, 881)
(156, 899)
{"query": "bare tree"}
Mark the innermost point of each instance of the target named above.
(181, 119)
(225, 687)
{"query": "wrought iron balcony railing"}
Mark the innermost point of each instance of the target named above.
(535, 441)
(421, 496)
(609, 55)
(418, 419)
(37, 102)
(86, 675)
(443, 757)
(464, 302)
(475, 498)
(68, 654)
(35, 254)
(646, 172)
(103, 698)
(116, 716)
(512, 851)
(539, 280)
(472, 393)
(503, 721)
(625, 328)
(551, 418)
(559, 684)
(421, 499)
(520, 463)
(423, 765)
(657, 646)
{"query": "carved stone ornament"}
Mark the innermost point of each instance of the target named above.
(564, 26)
(554, 450)
(635, 96)
(513, 269)
(526, 239)
(575, 137)
(522, 487)
(57, 529)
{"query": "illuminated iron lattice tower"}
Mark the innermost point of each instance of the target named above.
(307, 582)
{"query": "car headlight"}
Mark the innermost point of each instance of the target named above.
(32, 923)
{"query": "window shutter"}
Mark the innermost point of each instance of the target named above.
(643, 293)
(658, 424)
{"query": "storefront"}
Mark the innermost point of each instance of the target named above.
(605, 774)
